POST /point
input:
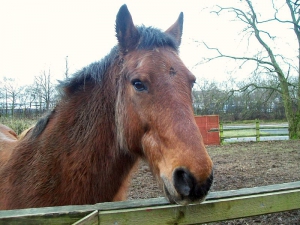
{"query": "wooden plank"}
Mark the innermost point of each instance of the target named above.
(46, 215)
(71, 214)
(132, 204)
(254, 128)
(91, 219)
(268, 135)
(254, 190)
(239, 128)
(209, 211)
(211, 196)
(43, 219)
(253, 135)
(239, 136)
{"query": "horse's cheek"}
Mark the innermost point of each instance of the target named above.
(133, 130)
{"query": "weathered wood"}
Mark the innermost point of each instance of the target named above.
(221, 133)
(257, 130)
(254, 190)
(233, 204)
(91, 219)
(47, 215)
(211, 196)
(209, 211)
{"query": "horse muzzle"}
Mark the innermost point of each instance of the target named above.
(184, 188)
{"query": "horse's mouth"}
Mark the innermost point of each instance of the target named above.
(179, 199)
(172, 199)
(195, 193)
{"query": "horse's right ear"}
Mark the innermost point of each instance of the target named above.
(126, 32)
(176, 29)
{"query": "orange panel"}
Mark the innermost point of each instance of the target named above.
(205, 124)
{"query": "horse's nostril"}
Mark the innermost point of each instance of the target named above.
(204, 188)
(186, 185)
(184, 181)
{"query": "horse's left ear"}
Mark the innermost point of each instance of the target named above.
(176, 29)
(126, 32)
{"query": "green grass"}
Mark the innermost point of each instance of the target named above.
(18, 125)
(247, 122)
(243, 133)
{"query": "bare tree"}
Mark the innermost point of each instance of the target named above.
(279, 67)
(44, 90)
(208, 98)
(10, 91)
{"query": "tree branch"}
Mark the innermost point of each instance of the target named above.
(221, 55)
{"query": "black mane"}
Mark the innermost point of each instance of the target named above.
(94, 72)
(150, 38)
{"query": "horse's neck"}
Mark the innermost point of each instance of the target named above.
(76, 156)
(90, 147)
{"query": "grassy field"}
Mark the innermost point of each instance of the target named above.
(242, 133)
(18, 125)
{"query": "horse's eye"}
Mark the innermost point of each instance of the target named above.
(193, 84)
(138, 85)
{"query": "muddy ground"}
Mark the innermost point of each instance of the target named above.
(240, 165)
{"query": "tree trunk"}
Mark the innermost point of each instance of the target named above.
(293, 118)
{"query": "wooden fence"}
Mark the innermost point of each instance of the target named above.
(218, 206)
(258, 131)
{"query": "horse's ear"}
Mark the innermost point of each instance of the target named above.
(176, 29)
(126, 32)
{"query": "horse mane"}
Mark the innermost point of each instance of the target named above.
(150, 38)
(41, 124)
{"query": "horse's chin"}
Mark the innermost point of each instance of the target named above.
(176, 198)
(172, 199)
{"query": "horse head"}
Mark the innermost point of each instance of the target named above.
(154, 113)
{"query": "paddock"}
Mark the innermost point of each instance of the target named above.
(262, 184)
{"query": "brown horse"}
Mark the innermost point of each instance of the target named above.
(135, 103)
(8, 140)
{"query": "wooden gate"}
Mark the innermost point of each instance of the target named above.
(209, 129)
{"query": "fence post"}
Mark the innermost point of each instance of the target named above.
(257, 130)
(221, 133)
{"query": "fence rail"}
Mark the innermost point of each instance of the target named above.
(218, 206)
(257, 128)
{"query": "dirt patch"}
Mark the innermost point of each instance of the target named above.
(240, 165)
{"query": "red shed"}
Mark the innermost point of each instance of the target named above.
(206, 124)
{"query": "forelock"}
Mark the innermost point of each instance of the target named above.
(151, 38)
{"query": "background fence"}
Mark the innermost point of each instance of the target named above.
(258, 131)
(215, 133)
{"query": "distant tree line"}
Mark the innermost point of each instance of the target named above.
(29, 101)
(211, 97)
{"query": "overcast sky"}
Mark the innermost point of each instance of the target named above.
(37, 35)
